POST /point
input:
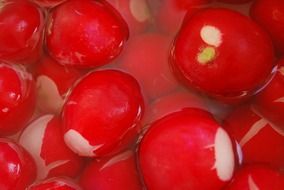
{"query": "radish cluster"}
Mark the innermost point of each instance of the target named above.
(140, 94)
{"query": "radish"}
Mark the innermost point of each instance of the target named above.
(43, 139)
(53, 82)
(102, 114)
(269, 14)
(214, 56)
(260, 140)
(21, 31)
(117, 172)
(17, 98)
(98, 33)
(17, 167)
(56, 183)
(187, 149)
(257, 177)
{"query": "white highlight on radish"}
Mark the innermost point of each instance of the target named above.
(224, 155)
(116, 159)
(139, 9)
(240, 153)
(78, 144)
(211, 35)
(253, 131)
(252, 184)
(32, 140)
(49, 98)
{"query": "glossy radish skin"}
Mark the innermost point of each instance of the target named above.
(20, 32)
(44, 141)
(186, 150)
(102, 114)
(260, 140)
(215, 56)
(98, 33)
(48, 3)
(53, 82)
(141, 55)
(117, 172)
(135, 12)
(257, 177)
(17, 166)
(56, 183)
(17, 98)
(235, 1)
(270, 15)
(270, 101)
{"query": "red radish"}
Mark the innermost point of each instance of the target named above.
(235, 1)
(56, 183)
(102, 114)
(17, 98)
(48, 3)
(270, 101)
(85, 33)
(20, 32)
(53, 82)
(214, 55)
(44, 141)
(257, 177)
(16, 165)
(135, 12)
(172, 102)
(149, 52)
(186, 150)
(169, 14)
(118, 172)
(270, 15)
(261, 141)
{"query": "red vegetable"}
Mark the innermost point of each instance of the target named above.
(117, 172)
(85, 33)
(17, 98)
(16, 165)
(102, 114)
(186, 150)
(21, 31)
(270, 15)
(227, 61)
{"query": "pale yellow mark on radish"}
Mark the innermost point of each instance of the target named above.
(252, 184)
(49, 98)
(211, 35)
(78, 144)
(206, 55)
(253, 131)
(139, 9)
(224, 155)
(116, 159)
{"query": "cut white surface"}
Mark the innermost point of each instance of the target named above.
(139, 9)
(224, 155)
(211, 35)
(78, 144)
